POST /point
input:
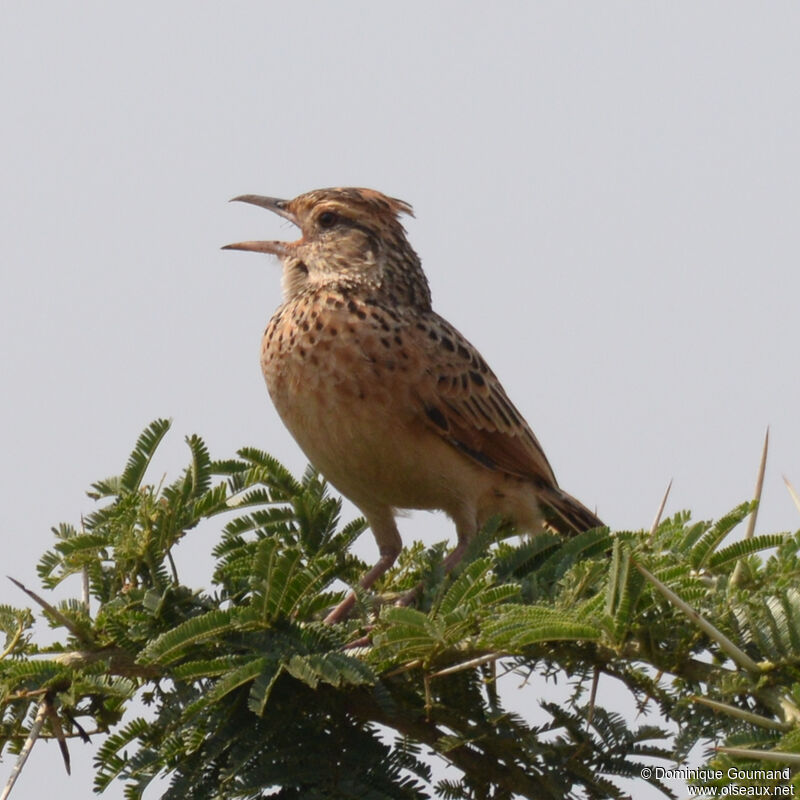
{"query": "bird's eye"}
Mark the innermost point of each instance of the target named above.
(327, 219)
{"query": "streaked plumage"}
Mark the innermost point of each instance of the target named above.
(389, 401)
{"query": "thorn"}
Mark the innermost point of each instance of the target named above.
(53, 612)
(660, 511)
(751, 525)
(735, 653)
(738, 571)
(58, 731)
(36, 729)
(792, 492)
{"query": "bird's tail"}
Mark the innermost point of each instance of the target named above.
(565, 514)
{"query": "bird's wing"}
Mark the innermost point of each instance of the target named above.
(462, 400)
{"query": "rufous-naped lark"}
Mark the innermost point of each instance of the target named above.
(387, 399)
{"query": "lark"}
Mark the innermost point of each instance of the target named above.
(385, 397)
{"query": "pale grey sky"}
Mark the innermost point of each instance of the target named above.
(606, 194)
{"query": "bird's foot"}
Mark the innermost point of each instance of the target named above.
(341, 611)
(409, 597)
(362, 641)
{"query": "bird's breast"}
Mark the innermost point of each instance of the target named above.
(340, 372)
(329, 348)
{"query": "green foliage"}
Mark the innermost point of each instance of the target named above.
(249, 695)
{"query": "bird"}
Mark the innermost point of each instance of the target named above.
(388, 401)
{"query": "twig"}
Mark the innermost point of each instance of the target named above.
(120, 662)
(13, 643)
(474, 662)
(85, 588)
(593, 693)
(173, 568)
(84, 736)
(404, 668)
(85, 578)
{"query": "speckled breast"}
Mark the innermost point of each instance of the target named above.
(329, 355)
(340, 371)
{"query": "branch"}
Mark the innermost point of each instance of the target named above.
(469, 760)
(120, 662)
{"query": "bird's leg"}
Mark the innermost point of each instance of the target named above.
(453, 560)
(466, 530)
(384, 529)
(388, 557)
(449, 564)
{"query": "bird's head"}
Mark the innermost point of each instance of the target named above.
(351, 238)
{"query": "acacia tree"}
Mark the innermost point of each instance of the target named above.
(250, 695)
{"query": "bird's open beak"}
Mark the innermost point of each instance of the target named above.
(274, 204)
